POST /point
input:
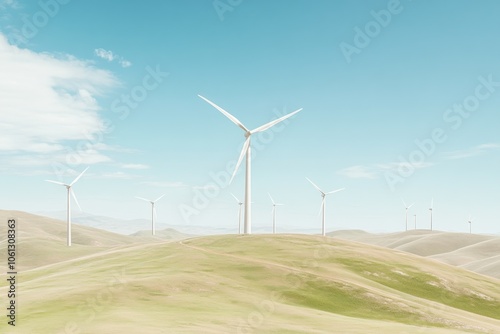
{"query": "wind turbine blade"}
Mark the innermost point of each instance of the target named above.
(315, 186)
(76, 200)
(242, 154)
(271, 199)
(334, 191)
(78, 177)
(276, 121)
(237, 200)
(406, 206)
(155, 214)
(228, 115)
(411, 205)
(144, 199)
(156, 200)
(59, 183)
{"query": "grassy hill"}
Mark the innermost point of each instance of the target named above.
(255, 284)
(42, 241)
(479, 253)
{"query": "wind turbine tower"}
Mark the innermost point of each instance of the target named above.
(430, 209)
(406, 213)
(68, 209)
(323, 204)
(470, 224)
(274, 213)
(154, 216)
(239, 213)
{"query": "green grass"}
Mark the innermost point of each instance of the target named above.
(217, 288)
(418, 284)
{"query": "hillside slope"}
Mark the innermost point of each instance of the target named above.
(474, 252)
(256, 284)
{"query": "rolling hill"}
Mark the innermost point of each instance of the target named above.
(479, 253)
(249, 284)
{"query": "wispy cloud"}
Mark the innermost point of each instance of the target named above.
(134, 166)
(5, 4)
(165, 184)
(118, 175)
(49, 103)
(110, 56)
(376, 170)
(472, 152)
(359, 172)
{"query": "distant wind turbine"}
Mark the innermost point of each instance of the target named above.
(470, 224)
(274, 213)
(323, 204)
(430, 209)
(247, 151)
(153, 211)
(415, 221)
(70, 193)
(406, 210)
(240, 203)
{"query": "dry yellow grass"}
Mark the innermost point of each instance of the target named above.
(245, 284)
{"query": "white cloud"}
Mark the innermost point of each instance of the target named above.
(110, 56)
(49, 102)
(134, 166)
(375, 171)
(125, 63)
(358, 172)
(104, 54)
(118, 175)
(472, 152)
(4, 4)
(398, 165)
(160, 184)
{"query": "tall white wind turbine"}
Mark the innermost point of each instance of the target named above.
(240, 203)
(430, 209)
(274, 213)
(153, 211)
(406, 211)
(70, 193)
(323, 204)
(415, 215)
(247, 151)
(470, 224)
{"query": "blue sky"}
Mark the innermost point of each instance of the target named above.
(113, 85)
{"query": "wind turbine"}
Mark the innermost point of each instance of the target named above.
(239, 213)
(430, 209)
(406, 210)
(415, 221)
(323, 204)
(274, 213)
(153, 211)
(247, 151)
(470, 224)
(68, 212)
